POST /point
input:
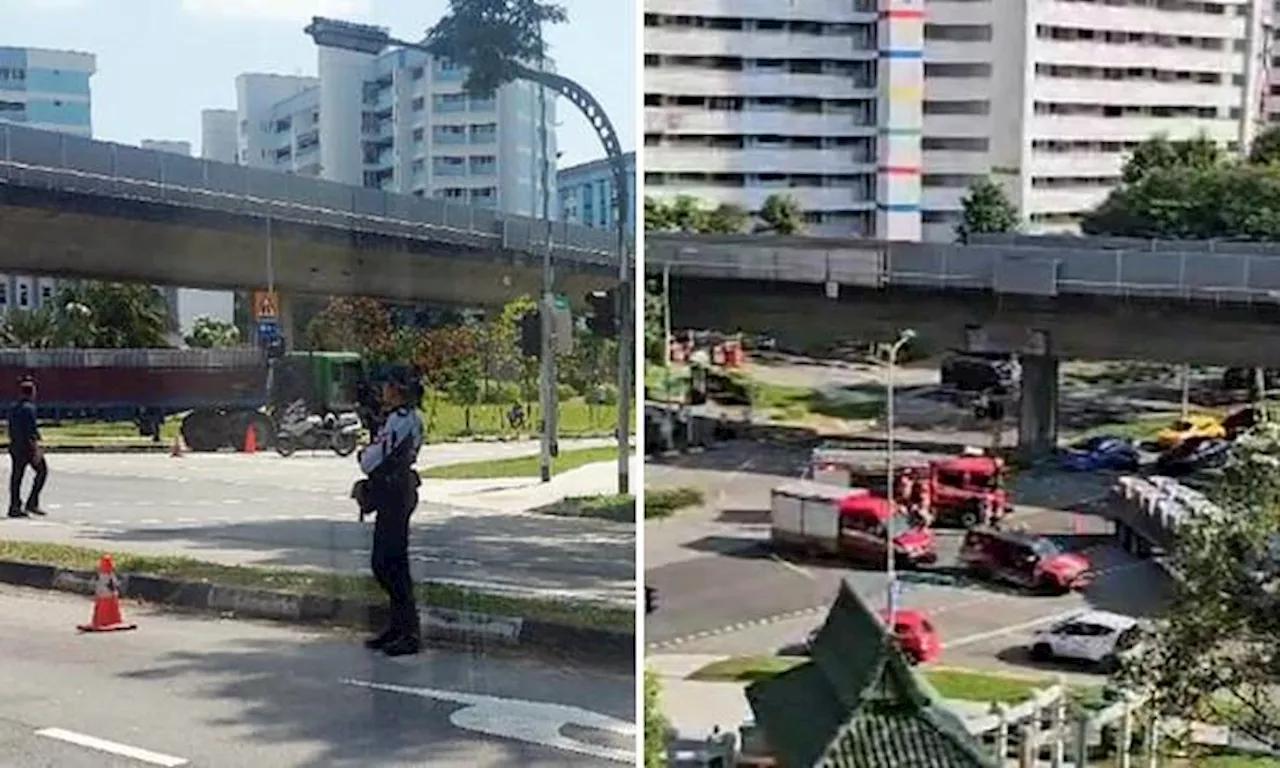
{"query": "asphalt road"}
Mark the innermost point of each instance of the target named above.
(296, 512)
(201, 692)
(724, 591)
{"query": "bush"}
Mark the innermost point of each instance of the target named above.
(501, 393)
(565, 392)
(604, 394)
(664, 502)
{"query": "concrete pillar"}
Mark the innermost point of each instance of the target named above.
(1038, 407)
(285, 320)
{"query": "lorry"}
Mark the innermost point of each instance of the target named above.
(848, 522)
(221, 393)
(963, 490)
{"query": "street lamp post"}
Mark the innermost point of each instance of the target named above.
(369, 39)
(890, 568)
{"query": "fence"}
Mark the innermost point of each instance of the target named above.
(53, 161)
(1233, 273)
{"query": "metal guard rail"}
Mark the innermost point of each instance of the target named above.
(1233, 273)
(54, 161)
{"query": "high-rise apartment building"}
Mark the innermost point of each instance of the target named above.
(876, 118)
(44, 89)
(400, 121)
(587, 190)
(218, 136)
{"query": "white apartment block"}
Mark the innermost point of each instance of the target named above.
(401, 122)
(218, 136)
(877, 118)
(167, 145)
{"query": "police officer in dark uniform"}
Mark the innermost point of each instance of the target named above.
(25, 451)
(392, 491)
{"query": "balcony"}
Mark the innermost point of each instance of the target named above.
(780, 123)
(702, 82)
(800, 10)
(1091, 54)
(759, 160)
(752, 198)
(694, 41)
(1129, 128)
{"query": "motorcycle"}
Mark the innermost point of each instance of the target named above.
(300, 430)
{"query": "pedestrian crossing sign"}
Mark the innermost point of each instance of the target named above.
(266, 305)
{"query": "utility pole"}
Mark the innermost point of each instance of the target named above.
(547, 379)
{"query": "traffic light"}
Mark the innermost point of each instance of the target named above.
(650, 600)
(604, 313)
(531, 334)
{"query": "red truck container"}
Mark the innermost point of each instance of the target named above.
(221, 390)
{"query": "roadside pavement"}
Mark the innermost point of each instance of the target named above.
(296, 513)
(208, 693)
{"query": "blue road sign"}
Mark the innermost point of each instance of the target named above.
(268, 329)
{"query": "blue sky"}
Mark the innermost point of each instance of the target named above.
(162, 61)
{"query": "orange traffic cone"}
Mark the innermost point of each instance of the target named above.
(177, 447)
(106, 601)
(251, 440)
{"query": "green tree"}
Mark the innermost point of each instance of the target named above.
(687, 214)
(1158, 153)
(655, 341)
(781, 215)
(353, 324)
(30, 328)
(1266, 146)
(1216, 654)
(657, 731)
(493, 38)
(986, 209)
(211, 333)
(1229, 201)
(112, 315)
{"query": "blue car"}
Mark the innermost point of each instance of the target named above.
(1101, 452)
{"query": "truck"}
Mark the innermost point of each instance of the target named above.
(849, 522)
(220, 393)
(964, 490)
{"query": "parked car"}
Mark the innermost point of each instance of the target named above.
(916, 636)
(1193, 455)
(1195, 425)
(1100, 638)
(973, 372)
(1024, 560)
(1101, 452)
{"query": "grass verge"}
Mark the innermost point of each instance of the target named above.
(336, 585)
(958, 684)
(447, 422)
(664, 502)
(614, 507)
(521, 466)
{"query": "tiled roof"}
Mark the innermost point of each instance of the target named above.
(859, 704)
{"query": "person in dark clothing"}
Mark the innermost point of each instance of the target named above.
(25, 451)
(392, 490)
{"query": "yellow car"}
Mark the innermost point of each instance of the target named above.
(1192, 426)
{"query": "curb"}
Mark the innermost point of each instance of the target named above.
(442, 624)
(127, 448)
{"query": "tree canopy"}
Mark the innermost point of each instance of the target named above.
(781, 215)
(986, 209)
(688, 214)
(211, 333)
(494, 39)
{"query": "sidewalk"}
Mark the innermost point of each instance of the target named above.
(516, 494)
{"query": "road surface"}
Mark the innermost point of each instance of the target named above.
(207, 693)
(296, 512)
(723, 591)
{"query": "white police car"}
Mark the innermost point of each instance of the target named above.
(1100, 638)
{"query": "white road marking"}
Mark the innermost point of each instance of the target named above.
(1011, 629)
(533, 722)
(102, 745)
(790, 566)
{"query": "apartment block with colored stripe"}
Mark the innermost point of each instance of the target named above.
(876, 115)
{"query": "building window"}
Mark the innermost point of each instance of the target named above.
(4, 292)
(484, 133)
(46, 293)
(418, 104)
(484, 103)
(484, 196)
(449, 134)
(418, 134)
(416, 73)
(449, 166)
(452, 193)
(24, 295)
(449, 102)
(484, 164)
(418, 166)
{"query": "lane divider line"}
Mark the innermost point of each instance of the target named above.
(102, 745)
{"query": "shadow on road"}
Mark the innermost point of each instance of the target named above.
(283, 693)
(516, 551)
